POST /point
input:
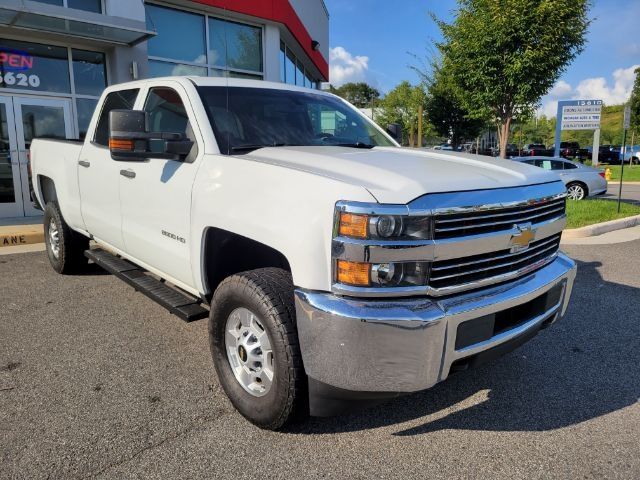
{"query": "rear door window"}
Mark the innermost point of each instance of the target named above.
(556, 165)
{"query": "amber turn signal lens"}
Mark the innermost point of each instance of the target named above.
(352, 225)
(120, 144)
(354, 273)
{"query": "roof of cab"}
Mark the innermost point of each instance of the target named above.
(219, 82)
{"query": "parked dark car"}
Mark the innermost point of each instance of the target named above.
(609, 154)
(512, 150)
(573, 150)
(537, 149)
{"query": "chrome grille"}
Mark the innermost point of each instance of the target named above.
(455, 225)
(460, 272)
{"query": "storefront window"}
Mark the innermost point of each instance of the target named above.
(283, 57)
(34, 67)
(180, 34)
(85, 108)
(234, 49)
(86, 5)
(52, 2)
(89, 72)
(242, 49)
(233, 74)
(168, 69)
(300, 74)
(292, 70)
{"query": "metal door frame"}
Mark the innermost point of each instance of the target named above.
(28, 210)
(13, 209)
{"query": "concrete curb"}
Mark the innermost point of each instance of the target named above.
(600, 228)
(614, 182)
(13, 235)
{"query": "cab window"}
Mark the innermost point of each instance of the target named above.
(121, 99)
(167, 113)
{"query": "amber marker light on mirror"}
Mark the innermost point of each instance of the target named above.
(354, 273)
(352, 225)
(118, 144)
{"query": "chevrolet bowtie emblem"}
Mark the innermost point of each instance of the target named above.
(522, 238)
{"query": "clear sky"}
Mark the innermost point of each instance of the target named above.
(374, 40)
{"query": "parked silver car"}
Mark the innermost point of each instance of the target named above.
(581, 181)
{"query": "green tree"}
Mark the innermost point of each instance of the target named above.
(445, 111)
(359, 94)
(506, 54)
(537, 130)
(634, 101)
(402, 105)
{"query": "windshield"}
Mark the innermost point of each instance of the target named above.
(244, 119)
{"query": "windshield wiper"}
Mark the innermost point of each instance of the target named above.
(354, 145)
(255, 146)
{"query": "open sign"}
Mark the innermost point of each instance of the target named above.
(15, 60)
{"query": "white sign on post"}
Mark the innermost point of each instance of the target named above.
(581, 117)
(626, 123)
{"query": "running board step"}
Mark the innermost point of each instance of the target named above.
(180, 304)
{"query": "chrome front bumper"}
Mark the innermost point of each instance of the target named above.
(406, 345)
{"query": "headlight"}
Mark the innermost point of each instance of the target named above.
(384, 227)
(392, 274)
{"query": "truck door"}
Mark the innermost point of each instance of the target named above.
(99, 175)
(155, 195)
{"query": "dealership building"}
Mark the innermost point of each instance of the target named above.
(56, 57)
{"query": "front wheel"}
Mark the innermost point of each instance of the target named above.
(576, 191)
(254, 345)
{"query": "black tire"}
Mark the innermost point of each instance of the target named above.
(268, 294)
(71, 244)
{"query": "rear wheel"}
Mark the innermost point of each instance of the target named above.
(65, 247)
(576, 191)
(254, 345)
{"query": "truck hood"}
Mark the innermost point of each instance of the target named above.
(399, 175)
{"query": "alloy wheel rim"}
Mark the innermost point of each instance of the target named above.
(249, 352)
(54, 238)
(575, 192)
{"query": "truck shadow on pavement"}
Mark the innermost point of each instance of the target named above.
(91, 270)
(581, 368)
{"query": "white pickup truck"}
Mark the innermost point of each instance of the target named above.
(336, 268)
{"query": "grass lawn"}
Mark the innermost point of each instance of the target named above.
(631, 173)
(588, 212)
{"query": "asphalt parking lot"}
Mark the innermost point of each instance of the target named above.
(98, 381)
(630, 192)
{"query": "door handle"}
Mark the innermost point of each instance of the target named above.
(84, 163)
(128, 173)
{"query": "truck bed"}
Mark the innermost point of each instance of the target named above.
(58, 160)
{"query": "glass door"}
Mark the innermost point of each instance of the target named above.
(37, 118)
(10, 184)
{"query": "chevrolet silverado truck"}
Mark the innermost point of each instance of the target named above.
(336, 268)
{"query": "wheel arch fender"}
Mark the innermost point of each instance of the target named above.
(47, 190)
(225, 253)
